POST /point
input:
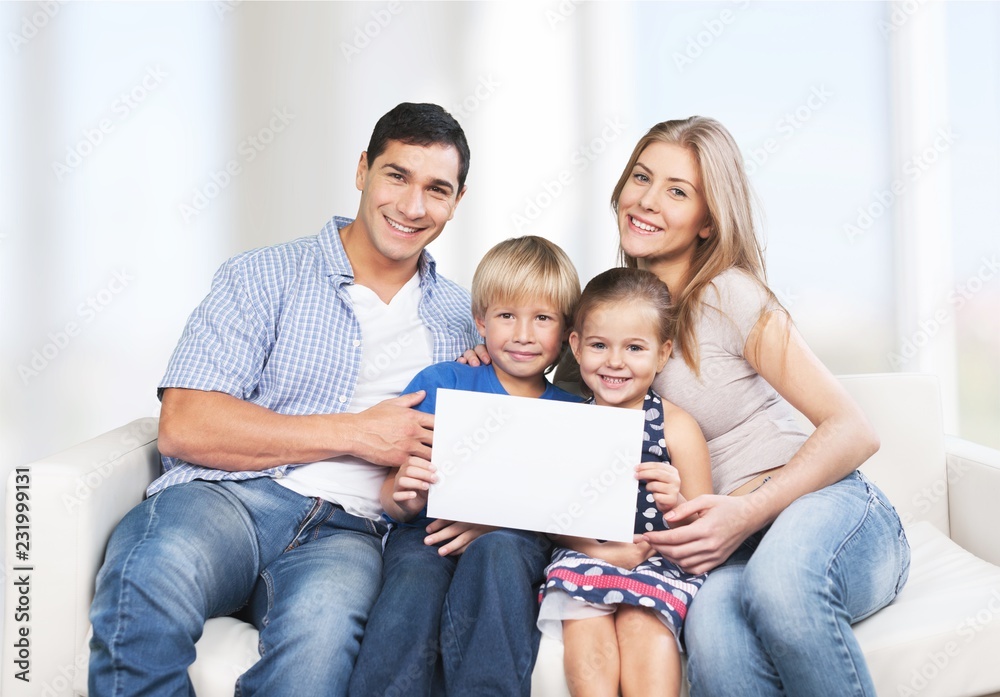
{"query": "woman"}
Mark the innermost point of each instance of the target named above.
(798, 544)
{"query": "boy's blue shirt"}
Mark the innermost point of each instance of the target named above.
(459, 376)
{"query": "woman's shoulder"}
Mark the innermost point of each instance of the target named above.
(737, 292)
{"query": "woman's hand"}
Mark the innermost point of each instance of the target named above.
(719, 525)
(457, 535)
(476, 356)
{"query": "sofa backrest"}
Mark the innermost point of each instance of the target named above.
(905, 409)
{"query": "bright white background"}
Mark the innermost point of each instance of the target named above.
(117, 116)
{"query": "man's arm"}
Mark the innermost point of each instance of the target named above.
(214, 429)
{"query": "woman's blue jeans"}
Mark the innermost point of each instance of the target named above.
(302, 569)
(775, 619)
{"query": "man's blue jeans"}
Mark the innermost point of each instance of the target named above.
(776, 618)
(305, 572)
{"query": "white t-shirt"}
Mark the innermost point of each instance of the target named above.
(396, 345)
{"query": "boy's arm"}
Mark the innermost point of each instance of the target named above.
(404, 490)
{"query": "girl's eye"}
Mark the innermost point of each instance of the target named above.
(634, 347)
(597, 345)
(678, 192)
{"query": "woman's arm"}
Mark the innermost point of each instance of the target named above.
(842, 441)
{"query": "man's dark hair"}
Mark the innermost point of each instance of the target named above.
(420, 124)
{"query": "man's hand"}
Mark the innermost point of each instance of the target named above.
(391, 431)
(458, 535)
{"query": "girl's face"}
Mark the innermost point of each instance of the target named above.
(662, 212)
(619, 352)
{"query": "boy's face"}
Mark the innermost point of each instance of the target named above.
(523, 338)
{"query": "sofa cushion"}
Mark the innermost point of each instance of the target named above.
(938, 638)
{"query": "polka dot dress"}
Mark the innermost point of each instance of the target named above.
(657, 584)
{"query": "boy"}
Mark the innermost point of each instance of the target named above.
(524, 293)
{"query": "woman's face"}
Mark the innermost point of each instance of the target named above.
(662, 211)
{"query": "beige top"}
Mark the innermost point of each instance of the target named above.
(749, 427)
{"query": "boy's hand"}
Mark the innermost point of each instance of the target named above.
(663, 481)
(458, 535)
(409, 489)
(476, 356)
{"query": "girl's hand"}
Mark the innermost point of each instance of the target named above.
(476, 356)
(459, 535)
(663, 481)
(719, 525)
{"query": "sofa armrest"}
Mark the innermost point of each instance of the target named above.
(974, 497)
(70, 503)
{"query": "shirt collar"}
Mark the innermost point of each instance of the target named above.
(339, 265)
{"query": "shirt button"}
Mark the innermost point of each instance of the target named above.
(357, 342)
(279, 475)
(343, 399)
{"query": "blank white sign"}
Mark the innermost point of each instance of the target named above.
(536, 464)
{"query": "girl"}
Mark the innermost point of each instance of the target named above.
(619, 607)
(801, 543)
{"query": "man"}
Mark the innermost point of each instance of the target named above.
(286, 362)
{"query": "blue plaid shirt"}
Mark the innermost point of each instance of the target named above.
(277, 329)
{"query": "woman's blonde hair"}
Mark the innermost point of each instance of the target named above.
(524, 268)
(733, 241)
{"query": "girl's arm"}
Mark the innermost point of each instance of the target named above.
(622, 554)
(842, 441)
(689, 473)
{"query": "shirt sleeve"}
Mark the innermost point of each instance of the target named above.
(225, 343)
(736, 301)
(430, 379)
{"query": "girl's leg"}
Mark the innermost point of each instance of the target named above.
(590, 656)
(650, 658)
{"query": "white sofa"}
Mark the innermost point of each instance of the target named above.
(940, 638)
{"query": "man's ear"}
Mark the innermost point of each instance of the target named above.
(362, 173)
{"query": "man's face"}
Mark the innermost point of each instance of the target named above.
(408, 194)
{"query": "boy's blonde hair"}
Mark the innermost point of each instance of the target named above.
(526, 267)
